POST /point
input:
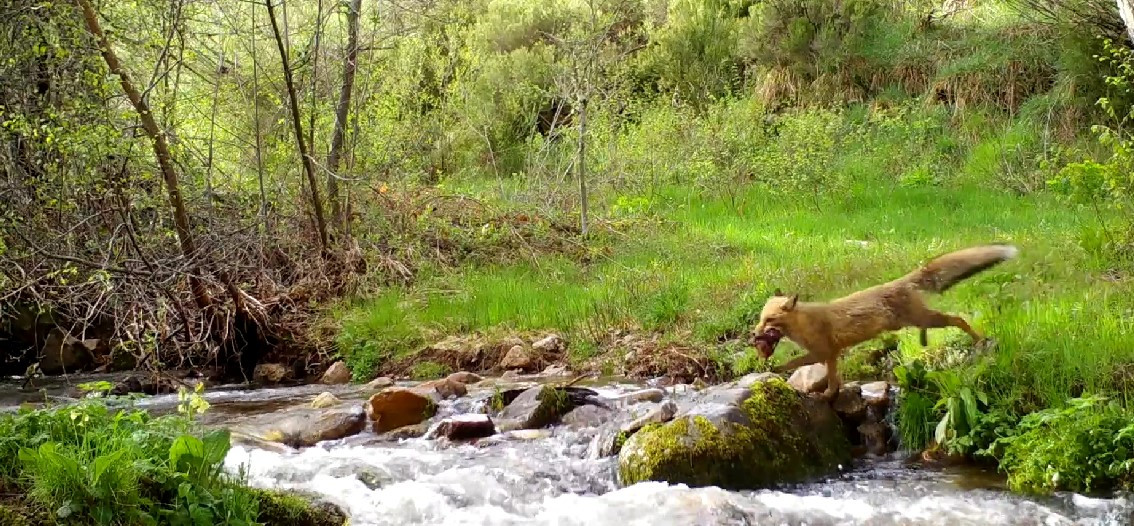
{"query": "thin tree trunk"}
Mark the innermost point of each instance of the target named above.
(256, 117)
(342, 112)
(161, 151)
(212, 129)
(315, 77)
(308, 165)
(580, 165)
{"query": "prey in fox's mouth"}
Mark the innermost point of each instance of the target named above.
(766, 341)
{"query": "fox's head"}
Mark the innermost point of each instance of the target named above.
(776, 320)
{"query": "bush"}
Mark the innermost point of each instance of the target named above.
(89, 464)
(1086, 446)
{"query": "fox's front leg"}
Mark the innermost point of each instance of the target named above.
(833, 380)
(806, 359)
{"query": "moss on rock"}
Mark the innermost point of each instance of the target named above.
(774, 435)
(289, 509)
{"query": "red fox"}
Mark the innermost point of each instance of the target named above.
(826, 330)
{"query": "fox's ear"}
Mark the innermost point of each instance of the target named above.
(777, 292)
(791, 302)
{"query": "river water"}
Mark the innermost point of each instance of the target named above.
(553, 477)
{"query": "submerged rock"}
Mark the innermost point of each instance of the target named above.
(270, 373)
(381, 382)
(464, 377)
(740, 438)
(446, 388)
(398, 406)
(464, 427)
(338, 373)
(309, 427)
(542, 406)
(325, 400)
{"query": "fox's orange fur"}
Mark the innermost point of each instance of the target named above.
(825, 330)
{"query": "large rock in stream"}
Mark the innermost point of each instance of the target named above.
(740, 438)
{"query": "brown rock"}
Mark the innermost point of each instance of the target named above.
(556, 370)
(465, 427)
(63, 353)
(338, 373)
(381, 382)
(465, 377)
(876, 394)
(550, 344)
(875, 437)
(270, 373)
(410, 431)
(518, 357)
(850, 404)
(398, 406)
(809, 378)
(325, 400)
(446, 388)
(310, 427)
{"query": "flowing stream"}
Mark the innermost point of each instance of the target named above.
(554, 477)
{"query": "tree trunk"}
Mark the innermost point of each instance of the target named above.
(161, 152)
(256, 119)
(342, 112)
(580, 165)
(308, 165)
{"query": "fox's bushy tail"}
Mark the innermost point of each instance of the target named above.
(944, 271)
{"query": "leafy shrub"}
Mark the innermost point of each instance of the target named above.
(1086, 446)
(88, 464)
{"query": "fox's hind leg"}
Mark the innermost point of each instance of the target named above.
(937, 320)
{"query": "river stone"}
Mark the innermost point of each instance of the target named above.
(270, 373)
(750, 379)
(850, 405)
(661, 414)
(325, 400)
(740, 439)
(405, 432)
(338, 373)
(63, 353)
(518, 357)
(464, 377)
(535, 408)
(875, 437)
(586, 417)
(381, 382)
(464, 427)
(400, 406)
(876, 394)
(306, 428)
(550, 344)
(446, 388)
(809, 378)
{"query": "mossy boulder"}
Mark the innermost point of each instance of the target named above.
(288, 509)
(740, 438)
